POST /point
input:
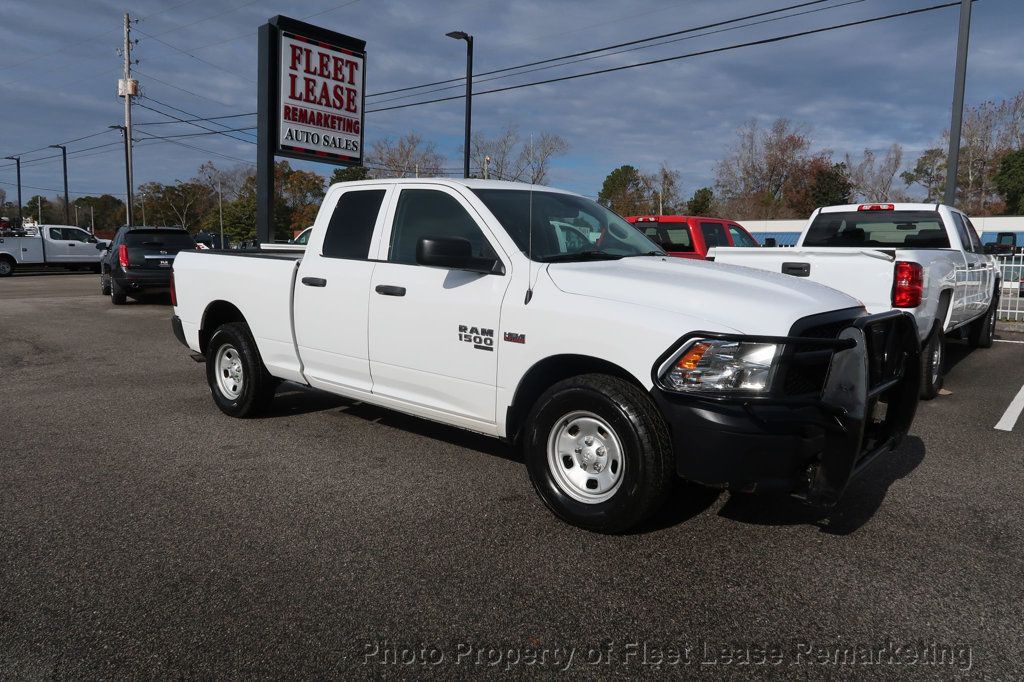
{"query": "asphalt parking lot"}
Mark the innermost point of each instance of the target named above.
(145, 534)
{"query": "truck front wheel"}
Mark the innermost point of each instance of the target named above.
(598, 453)
(6, 266)
(240, 384)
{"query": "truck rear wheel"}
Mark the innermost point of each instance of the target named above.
(933, 357)
(240, 384)
(982, 333)
(598, 453)
(6, 266)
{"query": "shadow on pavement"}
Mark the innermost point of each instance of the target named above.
(862, 499)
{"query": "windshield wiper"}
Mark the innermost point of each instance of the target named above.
(649, 253)
(579, 256)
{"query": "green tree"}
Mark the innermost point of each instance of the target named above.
(702, 203)
(349, 174)
(1009, 181)
(624, 191)
(105, 212)
(819, 182)
(930, 173)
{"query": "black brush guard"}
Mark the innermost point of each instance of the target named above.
(855, 386)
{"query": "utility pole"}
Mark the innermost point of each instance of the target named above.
(143, 195)
(487, 168)
(956, 122)
(76, 215)
(128, 88)
(92, 219)
(64, 156)
(17, 163)
(220, 206)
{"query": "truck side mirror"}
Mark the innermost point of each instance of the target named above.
(455, 253)
(770, 242)
(100, 246)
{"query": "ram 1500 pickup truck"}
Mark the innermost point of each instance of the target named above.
(925, 259)
(614, 366)
(53, 245)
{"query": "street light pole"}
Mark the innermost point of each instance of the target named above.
(143, 195)
(17, 163)
(956, 122)
(67, 205)
(462, 35)
(127, 172)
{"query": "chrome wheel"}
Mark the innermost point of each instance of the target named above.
(230, 375)
(585, 457)
(936, 361)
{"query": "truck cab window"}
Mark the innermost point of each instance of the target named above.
(351, 227)
(430, 213)
(56, 233)
(739, 237)
(714, 234)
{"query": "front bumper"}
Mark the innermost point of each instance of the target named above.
(814, 443)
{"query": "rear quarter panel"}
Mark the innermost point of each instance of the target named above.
(260, 287)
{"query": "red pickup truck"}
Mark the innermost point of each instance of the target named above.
(691, 236)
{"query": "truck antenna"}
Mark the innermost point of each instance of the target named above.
(529, 248)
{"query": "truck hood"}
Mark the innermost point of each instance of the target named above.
(746, 300)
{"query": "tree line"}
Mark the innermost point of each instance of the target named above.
(774, 172)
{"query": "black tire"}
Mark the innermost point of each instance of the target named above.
(647, 471)
(257, 385)
(982, 333)
(7, 265)
(104, 284)
(117, 294)
(933, 358)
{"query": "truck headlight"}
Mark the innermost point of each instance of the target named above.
(721, 366)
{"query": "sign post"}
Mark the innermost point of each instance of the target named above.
(311, 91)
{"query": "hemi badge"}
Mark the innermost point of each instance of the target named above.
(513, 337)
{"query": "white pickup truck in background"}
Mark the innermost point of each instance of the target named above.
(614, 366)
(59, 245)
(925, 259)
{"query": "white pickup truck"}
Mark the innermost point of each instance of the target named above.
(926, 259)
(61, 245)
(614, 366)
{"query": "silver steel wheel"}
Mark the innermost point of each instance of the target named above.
(936, 361)
(585, 457)
(230, 375)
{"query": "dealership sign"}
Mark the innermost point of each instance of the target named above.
(310, 102)
(320, 99)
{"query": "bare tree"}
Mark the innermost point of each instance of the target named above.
(751, 179)
(511, 157)
(409, 156)
(663, 188)
(873, 178)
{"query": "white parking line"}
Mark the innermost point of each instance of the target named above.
(1009, 418)
(1006, 341)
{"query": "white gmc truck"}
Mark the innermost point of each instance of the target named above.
(538, 316)
(925, 259)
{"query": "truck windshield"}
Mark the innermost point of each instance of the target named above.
(564, 227)
(873, 229)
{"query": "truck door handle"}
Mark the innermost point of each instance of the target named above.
(389, 290)
(797, 269)
(314, 281)
(71, 244)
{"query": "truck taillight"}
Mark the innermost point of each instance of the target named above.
(877, 207)
(907, 284)
(122, 255)
(174, 294)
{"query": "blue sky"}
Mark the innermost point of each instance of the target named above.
(856, 88)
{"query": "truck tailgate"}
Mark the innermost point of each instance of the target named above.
(865, 274)
(259, 285)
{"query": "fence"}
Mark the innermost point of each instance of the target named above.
(1011, 300)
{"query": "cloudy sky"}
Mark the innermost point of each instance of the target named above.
(855, 88)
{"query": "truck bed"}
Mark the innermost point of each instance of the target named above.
(258, 283)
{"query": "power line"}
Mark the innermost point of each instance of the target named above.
(210, 132)
(178, 119)
(190, 120)
(77, 139)
(198, 59)
(200, 149)
(252, 33)
(623, 51)
(753, 43)
(608, 47)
